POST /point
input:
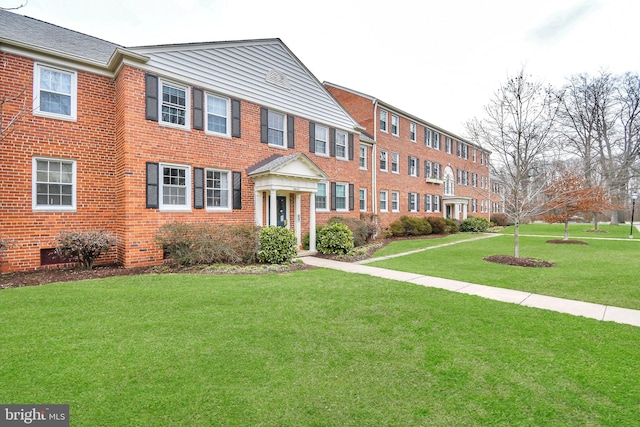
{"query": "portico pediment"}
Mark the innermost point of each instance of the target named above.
(295, 173)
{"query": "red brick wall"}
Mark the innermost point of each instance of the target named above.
(89, 141)
(362, 110)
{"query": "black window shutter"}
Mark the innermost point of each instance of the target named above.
(153, 177)
(408, 165)
(417, 202)
(198, 109)
(312, 137)
(332, 142)
(351, 146)
(425, 202)
(417, 167)
(351, 196)
(333, 196)
(291, 132)
(198, 188)
(235, 118)
(151, 94)
(264, 125)
(237, 190)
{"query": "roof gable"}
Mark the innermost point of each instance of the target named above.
(296, 165)
(265, 72)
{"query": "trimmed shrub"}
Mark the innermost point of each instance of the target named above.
(277, 245)
(438, 224)
(474, 225)
(410, 226)
(204, 243)
(362, 233)
(335, 239)
(452, 226)
(500, 219)
(84, 246)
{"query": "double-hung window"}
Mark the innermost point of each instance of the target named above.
(395, 162)
(277, 126)
(174, 109)
(427, 202)
(321, 197)
(218, 115)
(412, 131)
(427, 169)
(395, 125)
(363, 157)
(55, 92)
(395, 201)
(218, 189)
(341, 145)
(436, 203)
(474, 205)
(448, 145)
(413, 166)
(175, 192)
(383, 201)
(383, 160)
(435, 170)
(341, 197)
(384, 118)
(363, 200)
(54, 184)
(413, 202)
(435, 140)
(322, 138)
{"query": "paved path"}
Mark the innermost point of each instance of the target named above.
(576, 308)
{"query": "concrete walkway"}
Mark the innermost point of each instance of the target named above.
(576, 308)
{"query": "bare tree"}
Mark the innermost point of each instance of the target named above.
(13, 105)
(20, 6)
(519, 131)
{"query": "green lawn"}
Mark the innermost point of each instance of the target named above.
(604, 271)
(402, 246)
(310, 348)
(576, 231)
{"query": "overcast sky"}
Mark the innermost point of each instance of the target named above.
(440, 60)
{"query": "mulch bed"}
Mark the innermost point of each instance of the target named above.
(519, 262)
(567, 242)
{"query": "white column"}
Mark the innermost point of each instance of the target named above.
(273, 208)
(258, 208)
(465, 210)
(298, 219)
(456, 211)
(312, 222)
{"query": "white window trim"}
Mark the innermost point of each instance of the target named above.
(73, 116)
(360, 157)
(386, 121)
(174, 208)
(227, 208)
(208, 131)
(395, 195)
(346, 197)
(326, 142)
(327, 197)
(413, 166)
(413, 199)
(430, 198)
(413, 129)
(346, 145)
(34, 192)
(187, 107)
(397, 156)
(285, 143)
(397, 132)
(363, 190)
(386, 200)
(386, 169)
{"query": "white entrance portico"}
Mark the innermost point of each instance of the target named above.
(276, 179)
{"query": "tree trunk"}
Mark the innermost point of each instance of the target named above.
(595, 221)
(516, 239)
(566, 229)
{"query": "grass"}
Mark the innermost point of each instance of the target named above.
(576, 231)
(312, 348)
(401, 246)
(604, 271)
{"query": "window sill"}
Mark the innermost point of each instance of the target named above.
(434, 180)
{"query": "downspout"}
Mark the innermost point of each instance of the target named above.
(374, 162)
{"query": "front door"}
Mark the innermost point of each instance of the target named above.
(448, 211)
(281, 202)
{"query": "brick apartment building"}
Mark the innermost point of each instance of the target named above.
(128, 139)
(419, 169)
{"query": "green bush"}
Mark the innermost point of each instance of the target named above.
(438, 224)
(451, 226)
(335, 238)
(362, 232)
(410, 226)
(277, 245)
(474, 225)
(500, 219)
(84, 246)
(204, 243)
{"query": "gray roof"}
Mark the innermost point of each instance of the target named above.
(41, 35)
(270, 163)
